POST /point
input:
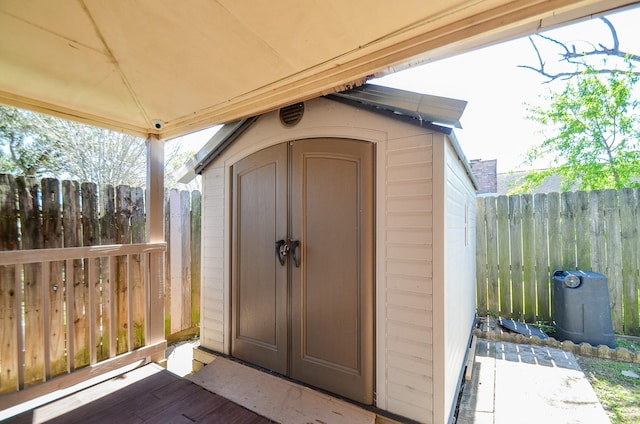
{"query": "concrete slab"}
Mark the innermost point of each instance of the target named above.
(276, 398)
(527, 384)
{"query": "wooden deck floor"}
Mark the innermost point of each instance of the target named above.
(146, 395)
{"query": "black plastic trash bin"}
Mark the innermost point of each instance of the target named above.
(581, 309)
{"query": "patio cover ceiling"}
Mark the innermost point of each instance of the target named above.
(171, 67)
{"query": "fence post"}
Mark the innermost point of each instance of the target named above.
(155, 233)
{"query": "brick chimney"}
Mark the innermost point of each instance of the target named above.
(486, 175)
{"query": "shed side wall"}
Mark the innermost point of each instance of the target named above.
(405, 291)
(459, 275)
(213, 287)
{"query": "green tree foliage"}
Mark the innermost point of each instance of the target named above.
(40, 145)
(26, 145)
(592, 133)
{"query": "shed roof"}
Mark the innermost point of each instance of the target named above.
(169, 68)
(414, 108)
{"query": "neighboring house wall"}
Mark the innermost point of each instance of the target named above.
(492, 183)
(510, 180)
(485, 172)
(416, 374)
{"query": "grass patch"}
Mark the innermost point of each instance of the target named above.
(632, 345)
(618, 394)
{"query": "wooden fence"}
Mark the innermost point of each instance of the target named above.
(62, 313)
(522, 239)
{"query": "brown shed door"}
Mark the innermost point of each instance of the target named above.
(312, 317)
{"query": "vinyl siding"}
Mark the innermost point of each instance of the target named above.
(406, 302)
(459, 284)
(212, 307)
(408, 360)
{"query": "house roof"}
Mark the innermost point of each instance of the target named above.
(414, 108)
(510, 180)
(168, 68)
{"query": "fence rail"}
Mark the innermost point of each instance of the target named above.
(81, 305)
(522, 239)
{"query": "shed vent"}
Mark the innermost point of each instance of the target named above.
(291, 115)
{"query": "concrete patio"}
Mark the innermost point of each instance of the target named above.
(516, 383)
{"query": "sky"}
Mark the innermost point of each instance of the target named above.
(497, 90)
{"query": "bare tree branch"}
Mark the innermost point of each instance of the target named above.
(578, 57)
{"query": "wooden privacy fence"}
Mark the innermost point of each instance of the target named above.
(522, 239)
(182, 275)
(62, 310)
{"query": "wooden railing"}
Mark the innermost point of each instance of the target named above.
(68, 314)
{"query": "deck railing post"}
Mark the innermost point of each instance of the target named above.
(155, 233)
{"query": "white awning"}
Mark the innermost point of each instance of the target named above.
(171, 67)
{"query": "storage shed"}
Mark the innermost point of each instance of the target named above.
(339, 247)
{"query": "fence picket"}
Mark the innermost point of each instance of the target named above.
(481, 256)
(614, 253)
(542, 256)
(583, 243)
(138, 301)
(106, 320)
(77, 312)
(196, 213)
(515, 236)
(528, 258)
(597, 230)
(568, 230)
(492, 254)
(555, 240)
(76, 284)
(598, 251)
(124, 207)
(9, 296)
(91, 237)
(504, 271)
(31, 225)
(167, 263)
(629, 235)
(185, 272)
(52, 229)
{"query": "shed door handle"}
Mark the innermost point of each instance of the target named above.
(282, 248)
(295, 244)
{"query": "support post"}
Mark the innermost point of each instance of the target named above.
(155, 233)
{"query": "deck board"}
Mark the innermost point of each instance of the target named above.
(145, 395)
